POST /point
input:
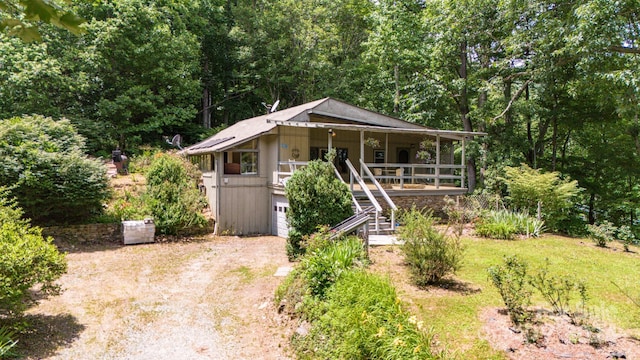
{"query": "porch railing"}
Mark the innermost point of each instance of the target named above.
(353, 175)
(437, 175)
(386, 197)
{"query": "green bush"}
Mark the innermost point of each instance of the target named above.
(602, 234)
(430, 254)
(512, 283)
(505, 225)
(527, 187)
(316, 197)
(626, 235)
(559, 290)
(327, 264)
(362, 318)
(27, 262)
(47, 172)
(172, 196)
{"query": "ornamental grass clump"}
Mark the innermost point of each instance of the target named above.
(505, 225)
(431, 255)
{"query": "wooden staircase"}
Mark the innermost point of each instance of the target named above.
(384, 224)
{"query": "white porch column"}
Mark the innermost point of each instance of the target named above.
(386, 148)
(361, 152)
(437, 161)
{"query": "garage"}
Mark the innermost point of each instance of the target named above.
(279, 218)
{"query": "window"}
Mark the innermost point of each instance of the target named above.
(243, 160)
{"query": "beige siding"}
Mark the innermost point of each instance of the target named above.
(244, 209)
(292, 139)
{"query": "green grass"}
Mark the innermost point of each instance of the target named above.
(455, 317)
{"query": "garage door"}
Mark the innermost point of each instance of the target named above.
(279, 219)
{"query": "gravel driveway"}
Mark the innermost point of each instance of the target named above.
(207, 299)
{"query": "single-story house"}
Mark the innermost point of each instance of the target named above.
(387, 162)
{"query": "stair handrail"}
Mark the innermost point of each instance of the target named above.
(354, 175)
(353, 198)
(385, 196)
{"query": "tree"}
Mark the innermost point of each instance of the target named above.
(19, 18)
(316, 197)
(47, 172)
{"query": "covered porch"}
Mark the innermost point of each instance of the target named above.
(398, 159)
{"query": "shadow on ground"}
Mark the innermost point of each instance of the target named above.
(46, 334)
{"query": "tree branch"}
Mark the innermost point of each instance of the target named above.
(624, 50)
(514, 98)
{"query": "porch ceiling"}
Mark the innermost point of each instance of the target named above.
(448, 134)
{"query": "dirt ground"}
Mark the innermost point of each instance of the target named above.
(210, 298)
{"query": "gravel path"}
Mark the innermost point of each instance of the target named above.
(210, 299)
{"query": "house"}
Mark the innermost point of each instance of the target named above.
(387, 162)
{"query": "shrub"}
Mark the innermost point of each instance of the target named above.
(559, 290)
(316, 197)
(172, 196)
(527, 187)
(50, 177)
(430, 254)
(512, 283)
(363, 318)
(503, 224)
(327, 264)
(601, 234)
(29, 263)
(626, 235)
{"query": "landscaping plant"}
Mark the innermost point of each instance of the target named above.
(431, 255)
(316, 197)
(504, 224)
(7, 343)
(529, 187)
(46, 170)
(172, 196)
(559, 291)
(602, 234)
(512, 283)
(29, 263)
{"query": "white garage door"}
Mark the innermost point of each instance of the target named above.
(279, 219)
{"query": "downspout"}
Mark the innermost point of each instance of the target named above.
(437, 161)
(220, 168)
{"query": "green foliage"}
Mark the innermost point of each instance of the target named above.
(626, 235)
(602, 234)
(504, 224)
(172, 196)
(7, 343)
(362, 318)
(559, 290)
(327, 264)
(25, 15)
(316, 197)
(43, 164)
(430, 254)
(26, 260)
(529, 186)
(512, 283)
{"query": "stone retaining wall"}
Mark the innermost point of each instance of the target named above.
(86, 234)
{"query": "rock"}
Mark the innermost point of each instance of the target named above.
(303, 329)
(617, 355)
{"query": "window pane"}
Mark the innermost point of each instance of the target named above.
(249, 163)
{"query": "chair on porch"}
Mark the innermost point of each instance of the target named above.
(399, 174)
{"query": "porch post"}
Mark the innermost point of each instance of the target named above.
(438, 161)
(330, 140)
(361, 152)
(386, 148)
(464, 161)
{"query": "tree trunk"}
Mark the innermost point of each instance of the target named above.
(592, 204)
(463, 106)
(206, 100)
(555, 144)
(396, 99)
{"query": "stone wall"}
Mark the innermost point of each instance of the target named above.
(86, 234)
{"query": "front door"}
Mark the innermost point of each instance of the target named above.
(403, 156)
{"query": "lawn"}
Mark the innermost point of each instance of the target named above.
(454, 313)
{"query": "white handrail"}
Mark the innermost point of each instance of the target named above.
(385, 196)
(353, 198)
(354, 175)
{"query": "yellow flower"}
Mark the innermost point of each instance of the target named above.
(381, 332)
(398, 342)
(413, 319)
(400, 327)
(417, 349)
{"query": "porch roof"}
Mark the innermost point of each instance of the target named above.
(354, 119)
(449, 134)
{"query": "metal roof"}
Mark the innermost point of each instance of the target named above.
(354, 118)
